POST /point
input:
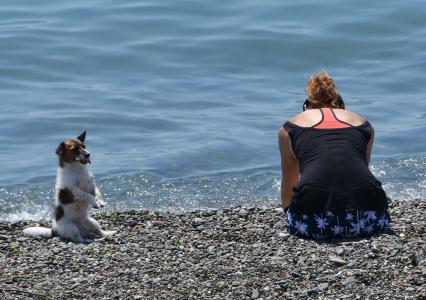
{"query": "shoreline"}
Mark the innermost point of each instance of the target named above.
(234, 253)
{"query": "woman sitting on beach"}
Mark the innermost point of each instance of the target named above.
(327, 189)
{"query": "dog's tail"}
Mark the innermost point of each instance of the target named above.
(38, 232)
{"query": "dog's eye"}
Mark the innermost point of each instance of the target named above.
(84, 147)
(75, 150)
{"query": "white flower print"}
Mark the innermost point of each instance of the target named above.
(337, 229)
(362, 223)
(369, 229)
(302, 227)
(383, 221)
(356, 227)
(370, 215)
(289, 218)
(349, 224)
(321, 222)
(349, 217)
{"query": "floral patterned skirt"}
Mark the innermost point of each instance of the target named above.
(332, 225)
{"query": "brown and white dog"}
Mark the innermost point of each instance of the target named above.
(75, 192)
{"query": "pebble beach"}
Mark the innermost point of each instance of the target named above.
(235, 253)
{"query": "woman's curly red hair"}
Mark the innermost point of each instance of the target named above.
(322, 91)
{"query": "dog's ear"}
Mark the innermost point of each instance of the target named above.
(82, 137)
(60, 150)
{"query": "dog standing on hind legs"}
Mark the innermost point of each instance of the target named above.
(75, 191)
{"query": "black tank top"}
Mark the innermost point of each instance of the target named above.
(334, 173)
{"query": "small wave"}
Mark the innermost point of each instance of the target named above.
(35, 214)
(403, 178)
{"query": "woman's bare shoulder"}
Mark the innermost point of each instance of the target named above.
(349, 117)
(307, 118)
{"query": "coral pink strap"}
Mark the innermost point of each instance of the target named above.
(329, 120)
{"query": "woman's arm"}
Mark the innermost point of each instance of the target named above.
(289, 167)
(370, 146)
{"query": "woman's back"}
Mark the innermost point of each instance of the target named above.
(332, 156)
(329, 147)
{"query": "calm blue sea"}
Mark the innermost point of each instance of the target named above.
(182, 100)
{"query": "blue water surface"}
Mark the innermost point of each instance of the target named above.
(182, 100)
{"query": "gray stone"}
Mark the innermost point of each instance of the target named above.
(156, 280)
(340, 251)
(323, 286)
(255, 294)
(283, 235)
(349, 281)
(279, 210)
(242, 212)
(337, 260)
(198, 221)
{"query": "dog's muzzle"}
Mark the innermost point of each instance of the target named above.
(84, 158)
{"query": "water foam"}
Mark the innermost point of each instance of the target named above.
(403, 178)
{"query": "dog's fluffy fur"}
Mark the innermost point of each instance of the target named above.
(75, 191)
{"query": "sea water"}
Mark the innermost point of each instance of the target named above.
(182, 100)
